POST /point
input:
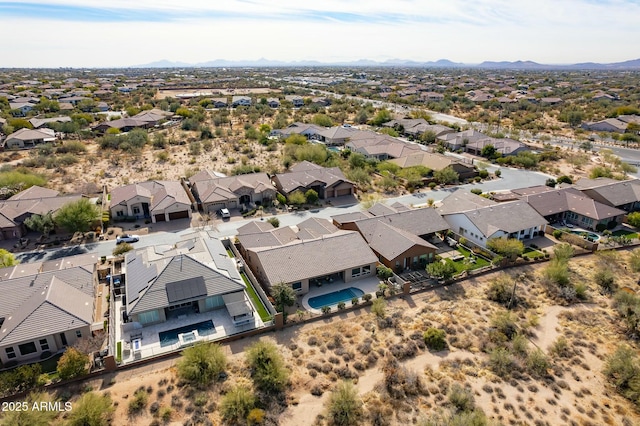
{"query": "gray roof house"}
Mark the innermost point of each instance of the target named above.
(162, 201)
(213, 192)
(624, 194)
(480, 221)
(240, 101)
(44, 310)
(27, 138)
(327, 182)
(196, 276)
(310, 259)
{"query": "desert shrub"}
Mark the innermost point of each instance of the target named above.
(325, 309)
(520, 345)
(341, 306)
(355, 301)
(537, 363)
(501, 362)
(367, 297)
(139, 401)
(557, 234)
(560, 348)
(505, 323)
(634, 260)
(461, 398)
(267, 367)
(501, 290)
(563, 251)
(378, 308)
(73, 363)
(236, 404)
(274, 221)
(628, 306)
(344, 407)
(623, 370)
(202, 364)
(557, 273)
(606, 279)
(435, 339)
(121, 249)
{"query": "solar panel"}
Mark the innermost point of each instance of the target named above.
(186, 289)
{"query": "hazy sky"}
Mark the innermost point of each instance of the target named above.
(103, 33)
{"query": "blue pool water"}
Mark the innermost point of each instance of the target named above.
(170, 337)
(335, 297)
(590, 235)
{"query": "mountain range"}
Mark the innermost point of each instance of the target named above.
(633, 64)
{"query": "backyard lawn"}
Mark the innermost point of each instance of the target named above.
(464, 264)
(532, 253)
(262, 311)
(626, 233)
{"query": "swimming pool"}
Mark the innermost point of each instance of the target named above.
(587, 235)
(335, 297)
(170, 337)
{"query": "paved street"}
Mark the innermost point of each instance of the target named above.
(510, 179)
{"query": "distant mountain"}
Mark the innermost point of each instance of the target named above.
(441, 63)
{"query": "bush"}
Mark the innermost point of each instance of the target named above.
(623, 370)
(274, 221)
(202, 364)
(435, 339)
(355, 301)
(378, 308)
(139, 401)
(497, 173)
(72, 364)
(341, 306)
(344, 407)
(537, 364)
(500, 290)
(501, 362)
(606, 279)
(267, 367)
(384, 272)
(121, 249)
(92, 409)
(483, 174)
(367, 297)
(237, 404)
(325, 309)
(557, 234)
(476, 191)
(461, 399)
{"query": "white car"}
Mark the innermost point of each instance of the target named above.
(126, 238)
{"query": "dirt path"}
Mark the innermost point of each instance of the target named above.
(547, 331)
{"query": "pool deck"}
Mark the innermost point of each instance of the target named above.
(368, 285)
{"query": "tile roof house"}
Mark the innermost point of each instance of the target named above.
(380, 147)
(327, 182)
(296, 101)
(435, 162)
(213, 192)
(44, 311)
(570, 205)
(397, 234)
(606, 125)
(240, 101)
(504, 146)
(623, 195)
(459, 140)
(161, 201)
(27, 138)
(316, 251)
(310, 131)
(39, 122)
(167, 283)
(480, 220)
(417, 126)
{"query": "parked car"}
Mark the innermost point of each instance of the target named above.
(126, 238)
(225, 214)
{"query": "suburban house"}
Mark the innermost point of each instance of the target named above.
(316, 253)
(327, 182)
(21, 108)
(380, 147)
(480, 220)
(623, 195)
(305, 129)
(504, 146)
(606, 125)
(398, 235)
(237, 101)
(173, 283)
(417, 126)
(160, 201)
(213, 192)
(296, 101)
(142, 120)
(46, 308)
(456, 141)
(219, 102)
(39, 122)
(273, 102)
(570, 205)
(334, 136)
(27, 138)
(34, 200)
(435, 162)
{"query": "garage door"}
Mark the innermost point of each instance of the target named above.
(342, 192)
(160, 217)
(179, 215)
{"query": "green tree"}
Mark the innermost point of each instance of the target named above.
(296, 139)
(311, 196)
(41, 223)
(633, 219)
(14, 181)
(202, 364)
(488, 151)
(379, 307)
(446, 176)
(510, 248)
(283, 295)
(267, 367)
(563, 252)
(297, 198)
(344, 407)
(442, 270)
(30, 417)
(237, 404)
(78, 216)
(73, 363)
(381, 116)
(322, 120)
(7, 259)
(92, 409)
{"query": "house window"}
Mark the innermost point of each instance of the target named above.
(355, 272)
(213, 302)
(11, 353)
(297, 286)
(148, 317)
(78, 334)
(44, 345)
(136, 210)
(119, 213)
(366, 270)
(27, 348)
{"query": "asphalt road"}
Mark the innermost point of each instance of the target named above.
(510, 179)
